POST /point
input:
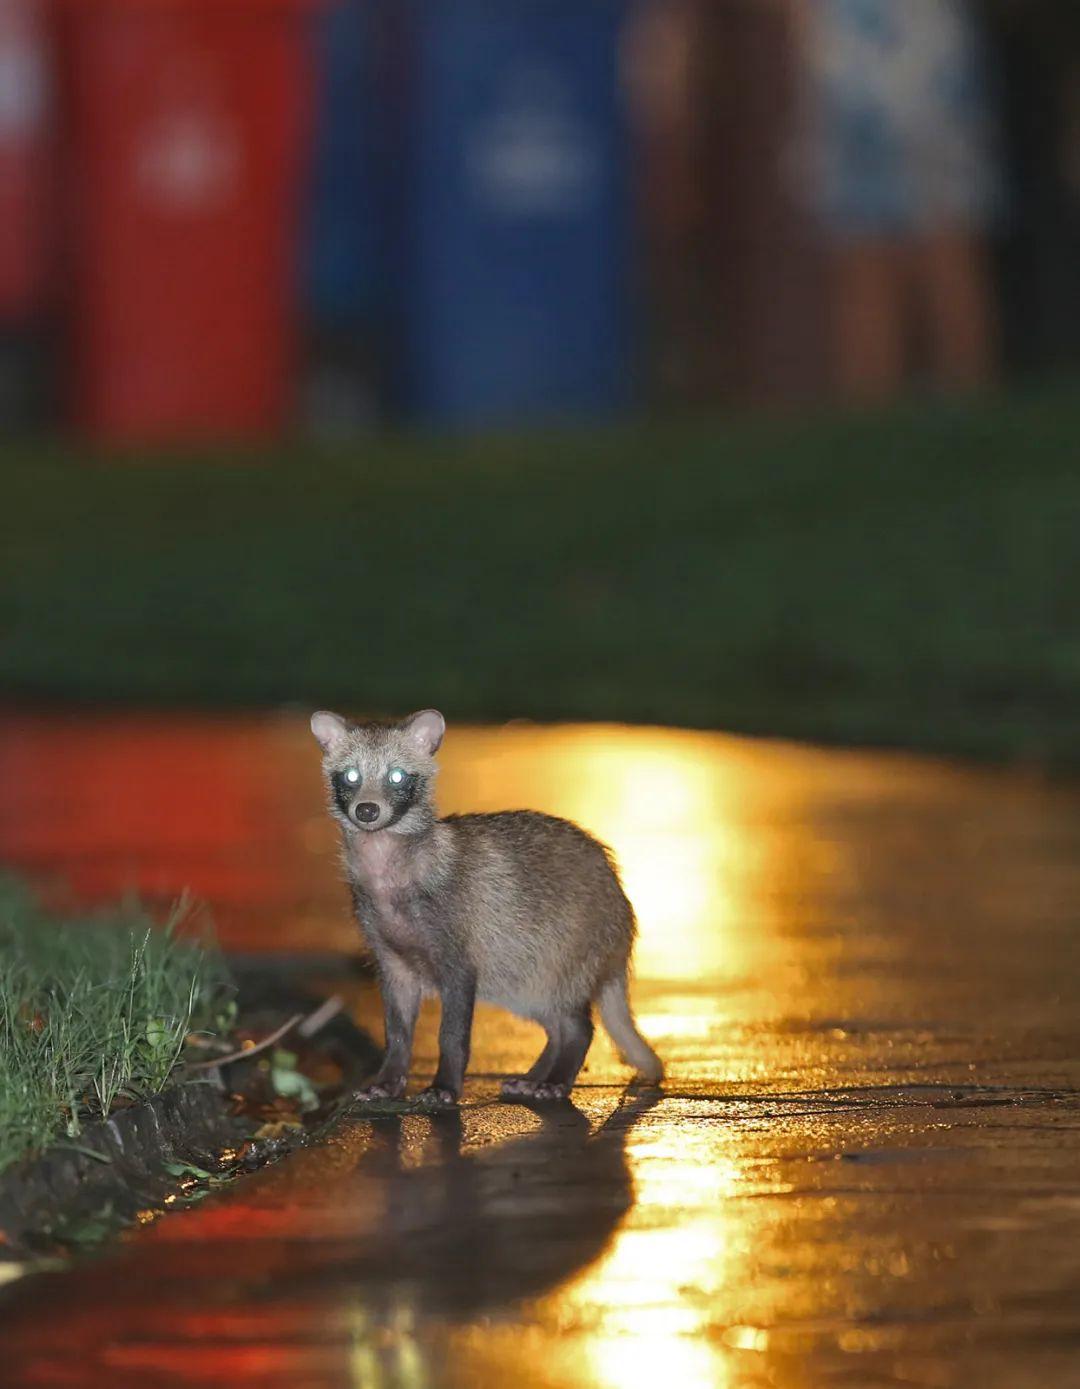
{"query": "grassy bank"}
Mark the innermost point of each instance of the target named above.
(92, 1013)
(907, 578)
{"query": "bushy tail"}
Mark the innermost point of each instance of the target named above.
(616, 1016)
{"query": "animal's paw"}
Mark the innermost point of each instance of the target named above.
(522, 1088)
(437, 1097)
(380, 1090)
(549, 1091)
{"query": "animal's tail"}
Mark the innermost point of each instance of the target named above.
(615, 1013)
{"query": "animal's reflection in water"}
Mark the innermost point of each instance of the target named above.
(457, 1225)
(482, 1228)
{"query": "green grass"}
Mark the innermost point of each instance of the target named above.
(909, 577)
(91, 1012)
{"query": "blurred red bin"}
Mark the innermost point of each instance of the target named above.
(186, 125)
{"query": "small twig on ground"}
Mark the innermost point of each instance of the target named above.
(315, 1022)
(245, 1052)
(306, 1026)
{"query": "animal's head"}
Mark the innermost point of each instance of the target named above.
(379, 776)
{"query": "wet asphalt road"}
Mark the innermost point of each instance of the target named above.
(864, 1168)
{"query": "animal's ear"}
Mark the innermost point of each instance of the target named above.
(329, 729)
(426, 729)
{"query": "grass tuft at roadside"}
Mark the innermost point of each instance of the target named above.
(94, 1013)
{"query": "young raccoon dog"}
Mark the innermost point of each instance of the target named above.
(517, 908)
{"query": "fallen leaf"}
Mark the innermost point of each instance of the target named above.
(278, 1128)
(186, 1169)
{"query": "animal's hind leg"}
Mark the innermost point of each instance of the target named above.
(568, 1042)
(575, 1038)
(522, 1087)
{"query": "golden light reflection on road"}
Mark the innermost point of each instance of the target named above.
(645, 1312)
(384, 1352)
(662, 800)
(653, 1333)
(657, 1280)
(646, 1360)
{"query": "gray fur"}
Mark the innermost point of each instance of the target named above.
(518, 909)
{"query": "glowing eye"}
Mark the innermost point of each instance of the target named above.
(397, 776)
(352, 775)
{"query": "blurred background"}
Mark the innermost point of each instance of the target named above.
(226, 221)
(700, 362)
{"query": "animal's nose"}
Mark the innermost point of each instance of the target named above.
(366, 812)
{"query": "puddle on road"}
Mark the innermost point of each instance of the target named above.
(841, 955)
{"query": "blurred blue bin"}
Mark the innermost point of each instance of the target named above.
(513, 210)
(344, 273)
(345, 270)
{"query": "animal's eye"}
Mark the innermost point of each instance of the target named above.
(397, 776)
(352, 775)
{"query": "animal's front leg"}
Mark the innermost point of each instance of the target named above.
(401, 1003)
(455, 1035)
